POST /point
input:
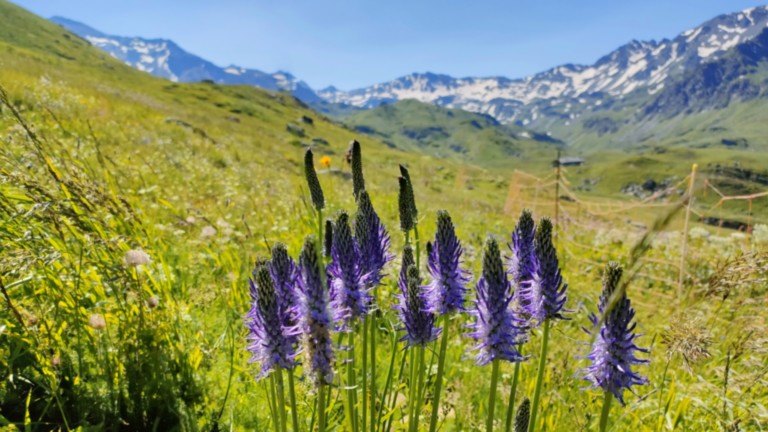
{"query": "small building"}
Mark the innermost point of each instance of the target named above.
(568, 161)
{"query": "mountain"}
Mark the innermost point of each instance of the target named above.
(637, 67)
(164, 58)
(451, 133)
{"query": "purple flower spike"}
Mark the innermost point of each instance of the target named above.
(521, 263)
(418, 321)
(447, 288)
(350, 297)
(613, 352)
(271, 344)
(372, 239)
(496, 329)
(314, 315)
(544, 296)
(285, 276)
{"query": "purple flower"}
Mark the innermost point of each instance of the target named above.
(521, 264)
(613, 351)
(350, 297)
(314, 315)
(543, 297)
(496, 329)
(372, 240)
(418, 321)
(271, 343)
(285, 276)
(447, 288)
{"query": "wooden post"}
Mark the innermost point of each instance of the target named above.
(557, 194)
(684, 248)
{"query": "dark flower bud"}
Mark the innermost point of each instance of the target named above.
(315, 190)
(328, 240)
(358, 182)
(404, 206)
(411, 197)
(523, 414)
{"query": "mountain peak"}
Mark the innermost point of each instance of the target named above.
(165, 58)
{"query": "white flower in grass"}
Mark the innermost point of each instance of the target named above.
(136, 257)
(97, 322)
(208, 232)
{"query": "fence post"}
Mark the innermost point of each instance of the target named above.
(684, 248)
(557, 195)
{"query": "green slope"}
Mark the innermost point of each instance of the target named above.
(452, 133)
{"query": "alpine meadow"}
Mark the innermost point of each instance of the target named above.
(188, 247)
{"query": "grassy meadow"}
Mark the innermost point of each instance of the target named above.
(99, 163)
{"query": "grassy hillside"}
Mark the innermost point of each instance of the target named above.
(451, 133)
(101, 164)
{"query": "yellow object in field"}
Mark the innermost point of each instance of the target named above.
(325, 162)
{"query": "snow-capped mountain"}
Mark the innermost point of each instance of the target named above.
(637, 66)
(164, 58)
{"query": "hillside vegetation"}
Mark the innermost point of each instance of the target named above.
(132, 210)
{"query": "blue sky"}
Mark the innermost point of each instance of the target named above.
(352, 44)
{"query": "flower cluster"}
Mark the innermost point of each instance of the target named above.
(271, 342)
(447, 288)
(418, 321)
(613, 351)
(496, 329)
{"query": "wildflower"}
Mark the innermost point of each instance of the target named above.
(447, 288)
(419, 322)
(613, 351)
(315, 190)
(328, 240)
(135, 258)
(404, 205)
(207, 232)
(523, 415)
(285, 276)
(270, 342)
(325, 162)
(372, 239)
(411, 198)
(97, 322)
(522, 263)
(495, 328)
(315, 317)
(356, 161)
(153, 302)
(350, 298)
(544, 296)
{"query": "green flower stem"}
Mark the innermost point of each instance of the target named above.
(281, 399)
(350, 385)
(390, 373)
(440, 371)
(273, 404)
(292, 397)
(411, 386)
(364, 377)
(393, 400)
(512, 395)
(321, 408)
(604, 413)
(373, 328)
(420, 395)
(539, 377)
(492, 397)
(417, 247)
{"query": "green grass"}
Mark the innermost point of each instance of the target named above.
(111, 170)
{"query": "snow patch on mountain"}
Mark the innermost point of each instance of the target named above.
(636, 66)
